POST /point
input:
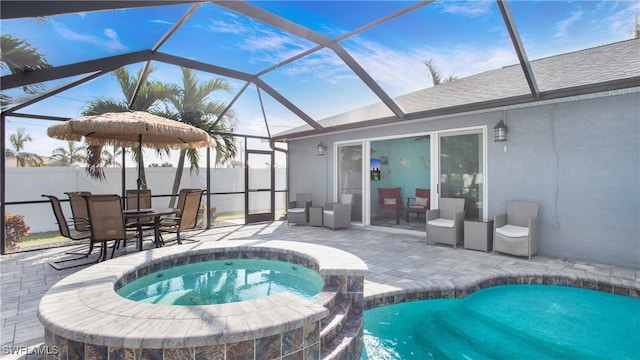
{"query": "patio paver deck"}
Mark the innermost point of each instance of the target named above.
(398, 264)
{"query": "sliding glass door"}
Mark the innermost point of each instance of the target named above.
(423, 167)
(461, 169)
(349, 177)
(399, 172)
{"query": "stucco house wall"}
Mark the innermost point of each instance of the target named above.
(579, 159)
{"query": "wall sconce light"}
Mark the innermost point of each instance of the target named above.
(321, 148)
(500, 131)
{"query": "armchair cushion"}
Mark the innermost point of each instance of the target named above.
(389, 201)
(420, 201)
(440, 222)
(513, 231)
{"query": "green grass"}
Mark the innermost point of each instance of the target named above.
(40, 239)
(228, 216)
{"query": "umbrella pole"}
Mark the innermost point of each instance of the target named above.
(139, 182)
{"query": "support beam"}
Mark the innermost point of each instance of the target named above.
(54, 73)
(39, 117)
(517, 44)
(13, 9)
(198, 65)
(41, 96)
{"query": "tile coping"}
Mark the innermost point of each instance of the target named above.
(469, 284)
(84, 306)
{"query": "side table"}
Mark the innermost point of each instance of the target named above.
(478, 234)
(315, 216)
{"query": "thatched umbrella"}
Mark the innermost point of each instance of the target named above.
(132, 129)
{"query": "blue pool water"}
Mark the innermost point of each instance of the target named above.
(223, 281)
(507, 322)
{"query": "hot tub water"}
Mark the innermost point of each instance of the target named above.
(223, 281)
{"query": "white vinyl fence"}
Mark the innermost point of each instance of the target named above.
(29, 183)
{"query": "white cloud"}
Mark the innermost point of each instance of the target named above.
(111, 42)
(564, 25)
(268, 40)
(111, 34)
(227, 27)
(402, 72)
(266, 44)
(321, 65)
(396, 72)
(468, 8)
(159, 21)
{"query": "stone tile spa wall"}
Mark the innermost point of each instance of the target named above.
(84, 318)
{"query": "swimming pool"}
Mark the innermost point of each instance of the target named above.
(512, 321)
(223, 281)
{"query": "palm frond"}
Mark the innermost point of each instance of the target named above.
(94, 160)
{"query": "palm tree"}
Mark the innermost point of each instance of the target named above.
(435, 73)
(436, 76)
(17, 55)
(192, 105)
(71, 154)
(109, 158)
(23, 159)
(150, 93)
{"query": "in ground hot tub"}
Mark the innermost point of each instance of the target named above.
(222, 282)
(84, 317)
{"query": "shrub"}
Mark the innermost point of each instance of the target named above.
(201, 215)
(15, 229)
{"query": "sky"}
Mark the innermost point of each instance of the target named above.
(462, 38)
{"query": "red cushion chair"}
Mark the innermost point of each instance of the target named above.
(390, 199)
(420, 203)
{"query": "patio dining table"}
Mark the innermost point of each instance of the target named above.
(156, 214)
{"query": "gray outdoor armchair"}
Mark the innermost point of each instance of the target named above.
(298, 209)
(516, 231)
(445, 224)
(338, 215)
